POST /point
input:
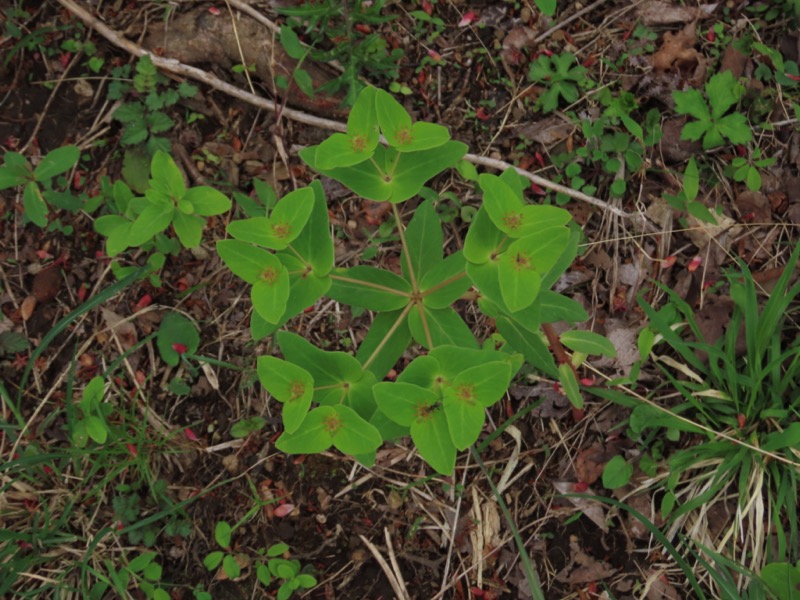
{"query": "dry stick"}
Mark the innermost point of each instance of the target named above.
(175, 66)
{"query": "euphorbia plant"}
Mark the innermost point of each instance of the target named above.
(513, 253)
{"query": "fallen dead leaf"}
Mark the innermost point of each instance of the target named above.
(517, 40)
(591, 461)
(583, 568)
(733, 60)
(591, 509)
(26, 308)
(625, 338)
(677, 50)
(754, 206)
(46, 284)
(656, 12)
(123, 329)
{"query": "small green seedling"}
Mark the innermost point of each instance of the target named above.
(686, 199)
(167, 203)
(747, 169)
(563, 77)
(224, 557)
(93, 424)
(289, 572)
(38, 189)
(714, 123)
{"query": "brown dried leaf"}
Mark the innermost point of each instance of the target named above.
(46, 284)
(677, 50)
(26, 308)
(518, 39)
(755, 206)
(124, 330)
(591, 461)
(656, 12)
(589, 508)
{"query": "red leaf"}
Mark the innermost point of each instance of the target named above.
(742, 420)
(427, 7)
(581, 487)
(144, 302)
(132, 449)
(283, 510)
(482, 114)
(191, 435)
(537, 190)
(694, 264)
(434, 55)
(468, 18)
(669, 261)
(792, 77)
(215, 11)
(179, 348)
(711, 36)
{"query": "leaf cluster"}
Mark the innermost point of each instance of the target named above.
(561, 75)
(713, 123)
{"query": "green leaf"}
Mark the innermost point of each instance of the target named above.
(423, 241)
(354, 435)
(557, 307)
(394, 121)
(231, 567)
(588, 342)
(617, 473)
(244, 427)
(529, 344)
(304, 82)
(15, 170)
(445, 282)
(519, 279)
(165, 172)
(365, 179)
(244, 260)
(189, 228)
(12, 342)
(371, 288)
(138, 563)
(291, 43)
(342, 150)
(290, 215)
(423, 371)
(270, 293)
(222, 534)
(384, 353)
(694, 130)
(207, 201)
(443, 325)
(736, 128)
(56, 162)
(403, 402)
(465, 418)
(213, 560)
(326, 368)
(414, 169)
(431, 436)
(484, 384)
(34, 204)
(289, 384)
(483, 238)
(154, 219)
(96, 428)
(176, 329)
(80, 435)
(315, 434)
(691, 180)
(314, 244)
(782, 579)
(568, 381)
(692, 103)
(724, 91)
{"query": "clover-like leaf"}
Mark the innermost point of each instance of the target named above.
(289, 384)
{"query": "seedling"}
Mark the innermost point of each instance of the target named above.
(714, 124)
(167, 203)
(289, 572)
(224, 557)
(38, 190)
(562, 75)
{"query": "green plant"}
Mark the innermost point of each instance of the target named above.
(142, 115)
(341, 31)
(686, 199)
(39, 189)
(225, 557)
(562, 76)
(746, 169)
(742, 408)
(290, 572)
(714, 123)
(93, 423)
(140, 221)
(513, 252)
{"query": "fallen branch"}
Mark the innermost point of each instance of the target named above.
(178, 68)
